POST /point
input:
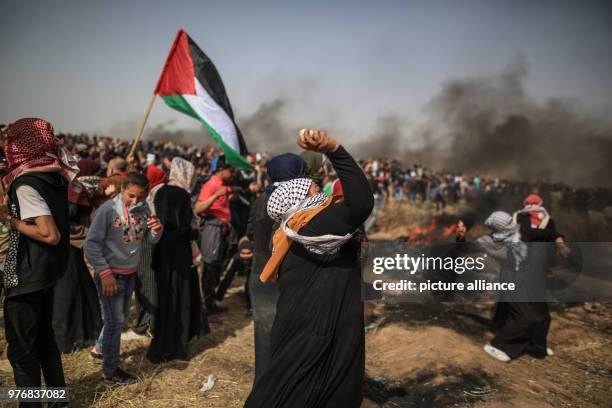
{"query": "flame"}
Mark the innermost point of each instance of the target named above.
(448, 231)
(421, 235)
(426, 234)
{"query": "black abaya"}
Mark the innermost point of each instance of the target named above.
(77, 319)
(179, 312)
(76, 309)
(522, 327)
(317, 342)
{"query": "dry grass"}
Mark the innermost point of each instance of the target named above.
(395, 219)
(227, 352)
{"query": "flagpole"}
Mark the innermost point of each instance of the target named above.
(142, 125)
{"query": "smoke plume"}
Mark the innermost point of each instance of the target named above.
(491, 126)
(266, 130)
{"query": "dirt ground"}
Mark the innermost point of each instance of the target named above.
(431, 356)
(416, 356)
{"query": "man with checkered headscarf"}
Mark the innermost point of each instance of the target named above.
(39, 172)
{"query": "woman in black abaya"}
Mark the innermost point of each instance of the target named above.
(179, 312)
(76, 310)
(521, 318)
(317, 340)
(537, 229)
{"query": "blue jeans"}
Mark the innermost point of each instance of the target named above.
(115, 310)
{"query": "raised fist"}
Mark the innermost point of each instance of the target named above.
(316, 141)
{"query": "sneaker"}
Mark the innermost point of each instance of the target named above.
(549, 352)
(497, 353)
(119, 377)
(94, 354)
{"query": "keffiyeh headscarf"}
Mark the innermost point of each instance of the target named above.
(538, 216)
(182, 174)
(32, 147)
(290, 197)
(504, 230)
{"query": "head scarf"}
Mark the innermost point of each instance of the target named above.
(538, 216)
(505, 231)
(285, 167)
(32, 147)
(289, 195)
(289, 198)
(156, 176)
(182, 174)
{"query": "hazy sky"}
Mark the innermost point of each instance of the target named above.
(92, 65)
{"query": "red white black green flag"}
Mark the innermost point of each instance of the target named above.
(191, 84)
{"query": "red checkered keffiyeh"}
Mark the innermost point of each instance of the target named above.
(31, 147)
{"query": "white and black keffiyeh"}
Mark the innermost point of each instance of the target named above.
(289, 194)
(290, 197)
(505, 230)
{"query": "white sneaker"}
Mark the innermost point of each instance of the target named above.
(497, 353)
(549, 352)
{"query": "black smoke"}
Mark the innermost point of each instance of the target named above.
(267, 130)
(491, 126)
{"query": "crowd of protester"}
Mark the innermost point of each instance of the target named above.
(179, 217)
(417, 184)
(388, 178)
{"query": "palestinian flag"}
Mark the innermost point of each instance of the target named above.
(191, 84)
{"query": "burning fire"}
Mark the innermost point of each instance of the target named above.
(436, 230)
